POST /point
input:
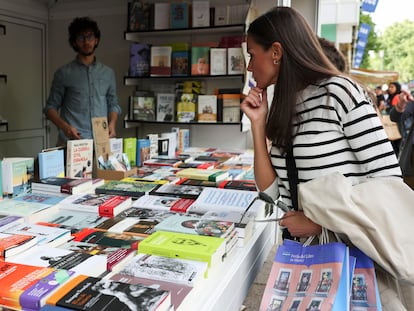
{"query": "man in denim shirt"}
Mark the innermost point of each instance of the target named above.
(84, 88)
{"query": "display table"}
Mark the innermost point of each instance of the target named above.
(227, 286)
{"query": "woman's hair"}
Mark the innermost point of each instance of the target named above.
(82, 24)
(303, 63)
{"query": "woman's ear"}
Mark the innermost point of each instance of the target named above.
(277, 51)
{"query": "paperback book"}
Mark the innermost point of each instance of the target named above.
(207, 108)
(182, 191)
(165, 106)
(138, 15)
(213, 174)
(160, 64)
(13, 244)
(186, 107)
(130, 149)
(30, 211)
(143, 151)
(179, 15)
(139, 60)
(97, 294)
(142, 107)
(187, 246)
(163, 203)
(105, 205)
(92, 235)
(17, 175)
(200, 60)
(218, 61)
(65, 185)
(79, 158)
(180, 63)
(51, 163)
(133, 189)
(177, 270)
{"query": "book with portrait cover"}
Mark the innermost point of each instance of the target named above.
(165, 107)
(183, 245)
(177, 270)
(15, 279)
(79, 158)
(200, 60)
(164, 203)
(105, 205)
(97, 294)
(139, 59)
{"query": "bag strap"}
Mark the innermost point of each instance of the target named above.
(292, 174)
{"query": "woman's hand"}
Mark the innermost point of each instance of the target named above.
(255, 104)
(299, 225)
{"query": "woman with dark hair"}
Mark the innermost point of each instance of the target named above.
(319, 121)
(394, 90)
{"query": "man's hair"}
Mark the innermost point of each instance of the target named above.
(334, 55)
(80, 25)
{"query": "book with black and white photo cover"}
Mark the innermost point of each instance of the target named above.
(235, 61)
(79, 158)
(165, 107)
(104, 294)
(163, 203)
(160, 64)
(177, 270)
(182, 191)
(218, 61)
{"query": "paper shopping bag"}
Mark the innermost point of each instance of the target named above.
(308, 278)
(364, 287)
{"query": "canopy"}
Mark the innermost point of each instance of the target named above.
(368, 77)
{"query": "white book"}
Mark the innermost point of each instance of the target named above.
(201, 13)
(161, 15)
(221, 15)
(153, 138)
(79, 158)
(235, 61)
(177, 270)
(116, 146)
(218, 61)
(163, 203)
(172, 145)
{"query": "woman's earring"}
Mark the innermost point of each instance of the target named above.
(275, 62)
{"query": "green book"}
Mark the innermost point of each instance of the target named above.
(127, 188)
(183, 245)
(130, 148)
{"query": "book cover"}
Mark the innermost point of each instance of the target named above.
(12, 244)
(143, 151)
(96, 294)
(46, 235)
(100, 204)
(162, 162)
(51, 163)
(62, 259)
(182, 191)
(161, 17)
(187, 246)
(153, 138)
(138, 15)
(200, 60)
(142, 107)
(132, 188)
(17, 175)
(186, 104)
(139, 59)
(207, 108)
(177, 270)
(27, 210)
(220, 199)
(92, 235)
(116, 257)
(130, 149)
(66, 185)
(220, 15)
(172, 144)
(179, 15)
(183, 140)
(180, 294)
(15, 279)
(34, 297)
(196, 182)
(7, 221)
(231, 107)
(218, 61)
(42, 198)
(146, 178)
(165, 106)
(164, 203)
(235, 61)
(200, 13)
(213, 174)
(160, 64)
(79, 158)
(194, 224)
(70, 219)
(240, 184)
(180, 63)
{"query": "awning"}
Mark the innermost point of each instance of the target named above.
(373, 77)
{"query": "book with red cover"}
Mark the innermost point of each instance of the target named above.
(62, 185)
(240, 184)
(164, 203)
(12, 244)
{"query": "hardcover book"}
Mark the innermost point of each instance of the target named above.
(97, 294)
(15, 279)
(100, 204)
(143, 151)
(187, 246)
(160, 64)
(186, 107)
(165, 106)
(182, 191)
(60, 258)
(130, 149)
(207, 108)
(51, 163)
(17, 175)
(79, 158)
(200, 60)
(139, 59)
(213, 174)
(179, 17)
(133, 189)
(12, 244)
(164, 203)
(218, 61)
(92, 235)
(177, 270)
(65, 185)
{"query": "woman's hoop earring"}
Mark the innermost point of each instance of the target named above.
(275, 62)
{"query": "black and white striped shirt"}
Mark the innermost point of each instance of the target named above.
(337, 130)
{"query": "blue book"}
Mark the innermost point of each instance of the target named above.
(143, 151)
(179, 17)
(139, 60)
(51, 164)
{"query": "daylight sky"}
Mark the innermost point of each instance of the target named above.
(390, 11)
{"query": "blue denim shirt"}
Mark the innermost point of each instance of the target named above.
(82, 92)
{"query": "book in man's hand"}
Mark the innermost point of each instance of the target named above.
(104, 294)
(105, 205)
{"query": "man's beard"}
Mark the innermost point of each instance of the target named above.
(81, 52)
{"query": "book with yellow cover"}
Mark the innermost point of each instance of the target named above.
(203, 174)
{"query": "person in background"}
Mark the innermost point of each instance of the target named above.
(380, 99)
(319, 121)
(333, 54)
(84, 88)
(403, 114)
(394, 90)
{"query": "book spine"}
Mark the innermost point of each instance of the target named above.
(117, 257)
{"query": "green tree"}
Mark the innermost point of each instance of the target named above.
(398, 45)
